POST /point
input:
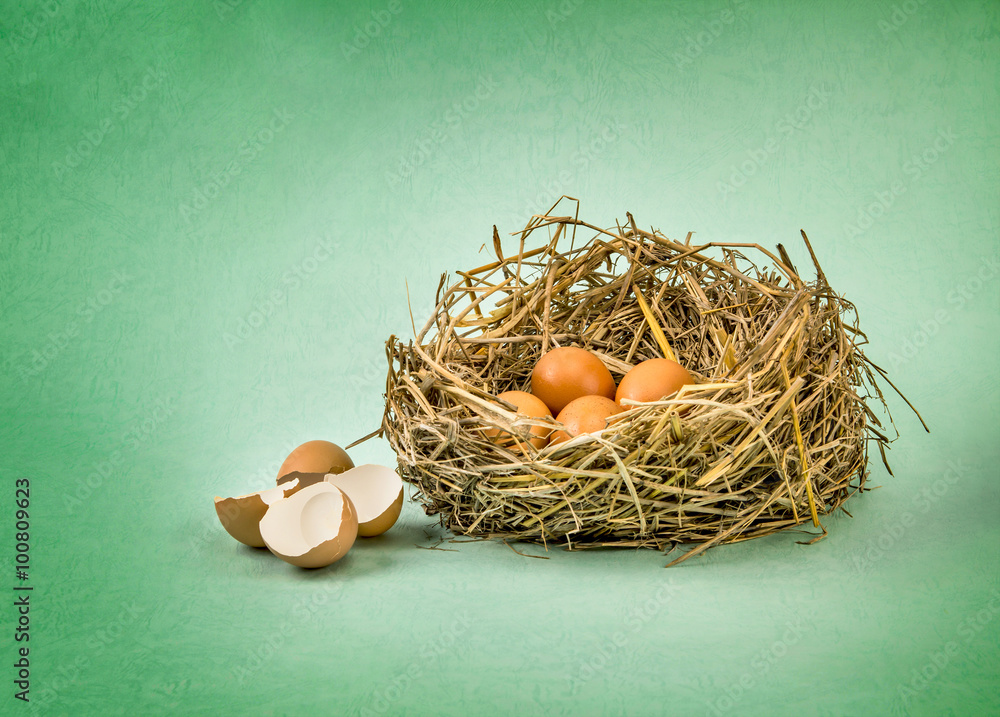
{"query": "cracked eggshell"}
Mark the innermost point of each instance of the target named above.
(377, 495)
(241, 515)
(316, 457)
(312, 528)
(303, 479)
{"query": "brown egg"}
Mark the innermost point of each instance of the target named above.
(567, 373)
(652, 380)
(316, 457)
(586, 414)
(527, 405)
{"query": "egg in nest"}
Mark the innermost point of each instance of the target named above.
(567, 373)
(652, 380)
(586, 414)
(529, 406)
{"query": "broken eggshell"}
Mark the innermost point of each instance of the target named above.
(376, 491)
(316, 457)
(377, 494)
(312, 528)
(241, 515)
(303, 479)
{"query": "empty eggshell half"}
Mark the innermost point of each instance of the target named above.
(312, 528)
(241, 516)
(377, 495)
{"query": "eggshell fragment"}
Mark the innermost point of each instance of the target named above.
(241, 516)
(316, 457)
(377, 495)
(312, 528)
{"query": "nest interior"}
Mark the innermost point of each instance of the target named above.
(774, 434)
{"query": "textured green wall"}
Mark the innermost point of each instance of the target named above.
(209, 215)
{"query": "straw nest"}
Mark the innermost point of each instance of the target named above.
(774, 435)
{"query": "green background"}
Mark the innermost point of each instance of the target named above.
(209, 219)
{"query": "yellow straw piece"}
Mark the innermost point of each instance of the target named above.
(802, 453)
(654, 326)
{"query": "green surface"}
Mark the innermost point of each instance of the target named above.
(207, 219)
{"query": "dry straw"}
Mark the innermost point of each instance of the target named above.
(774, 435)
